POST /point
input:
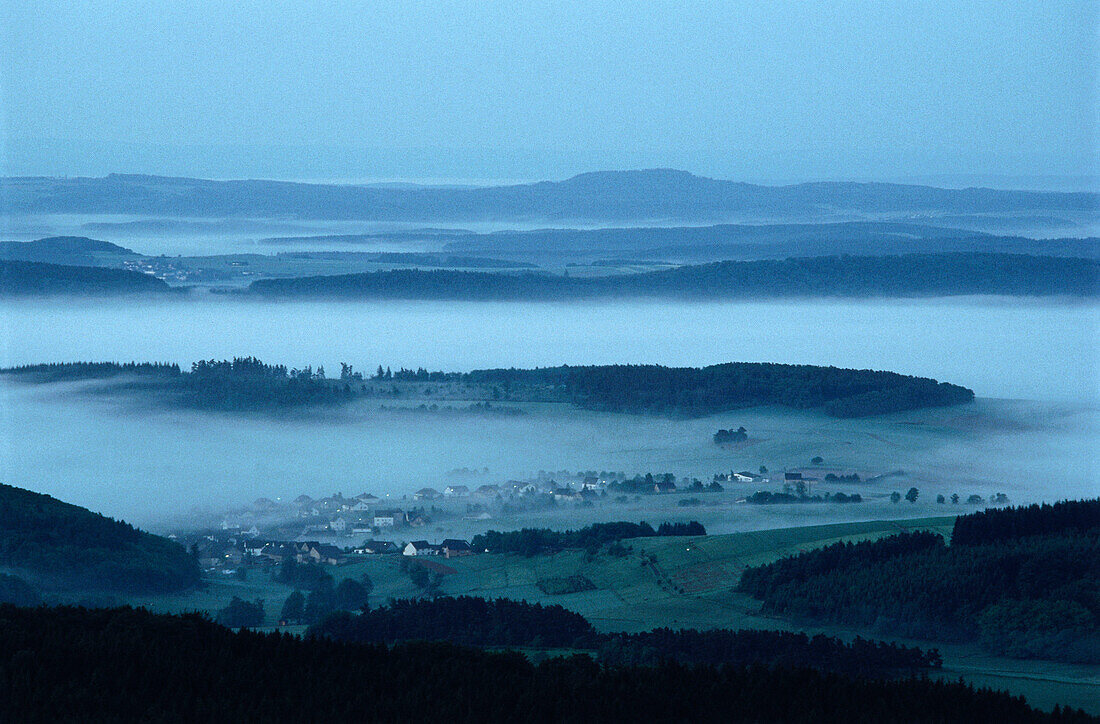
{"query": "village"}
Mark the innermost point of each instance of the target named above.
(337, 529)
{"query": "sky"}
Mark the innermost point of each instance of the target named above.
(486, 91)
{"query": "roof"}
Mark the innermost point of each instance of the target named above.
(421, 544)
(455, 544)
(792, 476)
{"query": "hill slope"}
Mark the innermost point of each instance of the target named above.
(28, 278)
(69, 250)
(68, 547)
(906, 275)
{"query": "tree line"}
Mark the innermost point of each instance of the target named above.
(132, 665)
(246, 382)
(1021, 582)
(533, 541)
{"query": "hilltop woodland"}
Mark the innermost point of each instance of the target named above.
(1023, 582)
(132, 665)
(62, 546)
(247, 383)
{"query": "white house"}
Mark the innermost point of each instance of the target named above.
(385, 519)
(420, 548)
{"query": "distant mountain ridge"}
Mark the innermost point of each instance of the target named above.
(643, 194)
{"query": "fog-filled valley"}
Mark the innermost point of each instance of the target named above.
(1029, 435)
(550, 362)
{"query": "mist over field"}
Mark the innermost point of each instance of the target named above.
(1030, 434)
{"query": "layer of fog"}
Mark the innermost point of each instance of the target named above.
(156, 466)
(200, 236)
(1001, 348)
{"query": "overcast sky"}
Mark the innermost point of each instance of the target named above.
(520, 90)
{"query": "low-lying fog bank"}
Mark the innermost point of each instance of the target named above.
(1007, 348)
(153, 466)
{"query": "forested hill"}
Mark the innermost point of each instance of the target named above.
(66, 664)
(644, 194)
(69, 250)
(66, 547)
(1022, 582)
(28, 278)
(706, 390)
(833, 276)
(246, 383)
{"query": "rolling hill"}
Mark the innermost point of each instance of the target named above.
(643, 194)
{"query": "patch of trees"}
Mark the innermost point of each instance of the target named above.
(832, 276)
(29, 278)
(997, 524)
(463, 620)
(723, 437)
(766, 497)
(706, 390)
(240, 613)
(533, 541)
(246, 382)
(429, 582)
(765, 648)
(842, 478)
(69, 547)
(323, 595)
(132, 665)
(1015, 591)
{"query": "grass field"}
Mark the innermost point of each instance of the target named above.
(688, 584)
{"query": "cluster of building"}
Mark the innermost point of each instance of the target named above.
(228, 553)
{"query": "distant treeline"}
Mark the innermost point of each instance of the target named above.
(828, 276)
(765, 497)
(57, 664)
(701, 391)
(1023, 582)
(67, 547)
(28, 278)
(239, 384)
(64, 371)
(532, 541)
(246, 382)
